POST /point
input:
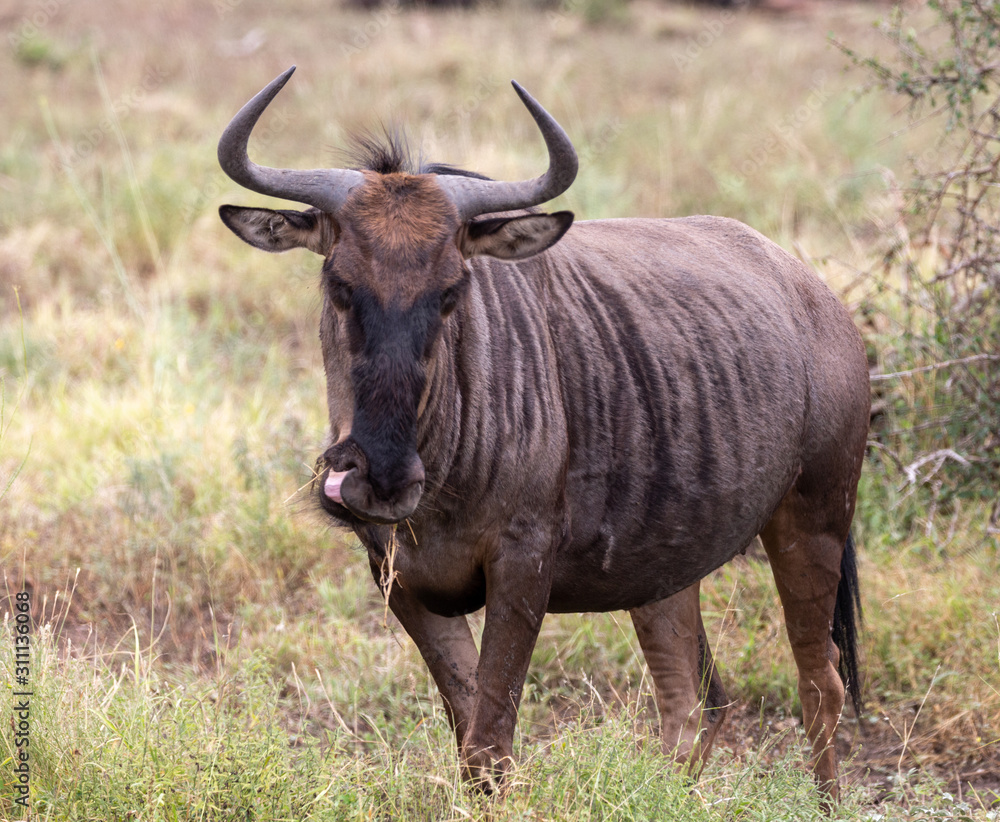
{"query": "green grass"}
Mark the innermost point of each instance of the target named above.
(208, 647)
(120, 733)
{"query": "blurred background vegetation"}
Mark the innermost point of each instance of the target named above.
(208, 647)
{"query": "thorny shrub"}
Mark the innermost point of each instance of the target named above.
(935, 304)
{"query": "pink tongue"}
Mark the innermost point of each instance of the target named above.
(333, 483)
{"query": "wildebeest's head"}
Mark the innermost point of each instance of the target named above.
(393, 240)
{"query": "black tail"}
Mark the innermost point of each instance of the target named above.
(846, 619)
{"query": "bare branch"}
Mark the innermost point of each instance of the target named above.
(936, 457)
(934, 366)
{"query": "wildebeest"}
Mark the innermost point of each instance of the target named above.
(572, 417)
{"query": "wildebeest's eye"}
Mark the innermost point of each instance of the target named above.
(340, 292)
(450, 297)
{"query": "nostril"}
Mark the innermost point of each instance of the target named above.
(414, 473)
(418, 478)
(393, 483)
(346, 456)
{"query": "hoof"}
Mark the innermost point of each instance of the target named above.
(483, 770)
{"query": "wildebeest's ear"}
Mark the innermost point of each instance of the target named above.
(514, 238)
(281, 230)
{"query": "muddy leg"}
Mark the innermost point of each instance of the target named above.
(806, 566)
(689, 694)
(517, 592)
(447, 647)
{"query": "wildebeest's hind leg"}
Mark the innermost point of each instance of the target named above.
(689, 694)
(805, 543)
(447, 647)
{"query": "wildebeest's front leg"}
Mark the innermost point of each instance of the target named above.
(689, 693)
(518, 582)
(447, 647)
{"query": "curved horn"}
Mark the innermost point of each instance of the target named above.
(473, 197)
(325, 189)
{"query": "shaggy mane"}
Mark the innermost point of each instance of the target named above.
(389, 152)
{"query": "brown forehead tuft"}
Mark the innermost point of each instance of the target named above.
(400, 214)
(402, 223)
